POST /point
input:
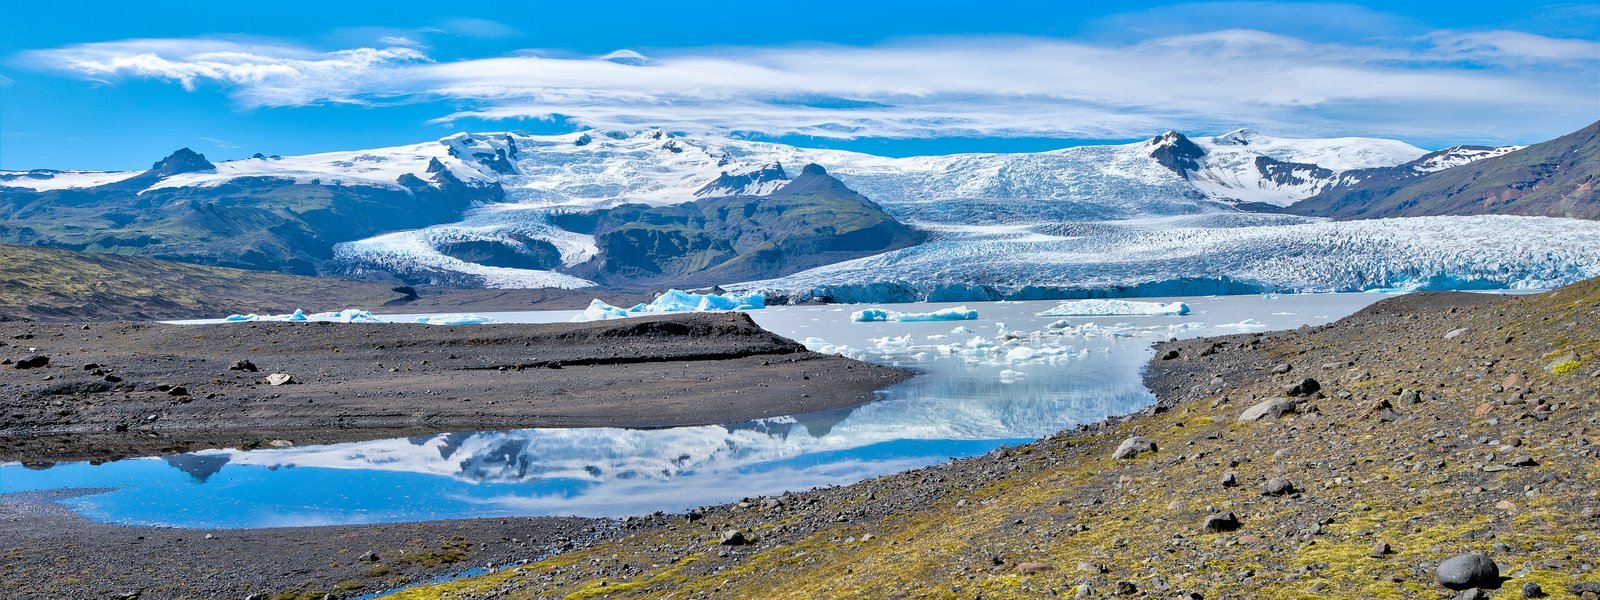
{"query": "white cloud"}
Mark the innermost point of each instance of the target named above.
(1449, 85)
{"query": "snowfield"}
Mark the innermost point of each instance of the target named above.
(1086, 221)
(1172, 257)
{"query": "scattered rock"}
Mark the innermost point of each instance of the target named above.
(280, 379)
(1468, 571)
(1277, 486)
(370, 556)
(1274, 408)
(242, 365)
(1473, 594)
(1169, 355)
(1306, 387)
(1454, 333)
(1532, 590)
(177, 390)
(1282, 368)
(1380, 549)
(1133, 446)
(1221, 522)
(1229, 479)
(1032, 568)
(733, 537)
(32, 362)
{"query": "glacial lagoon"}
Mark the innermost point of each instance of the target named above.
(1006, 378)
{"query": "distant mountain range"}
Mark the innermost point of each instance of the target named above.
(652, 208)
(1558, 178)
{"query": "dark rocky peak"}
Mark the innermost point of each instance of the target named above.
(815, 180)
(258, 156)
(731, 184)
(1285, 173)
(182, 161)
(1176, 152)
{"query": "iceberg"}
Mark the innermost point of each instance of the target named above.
(673, 301)
(1096, 308)
(348, 315)
(959, 313)
(454, 319)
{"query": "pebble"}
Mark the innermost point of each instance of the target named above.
(1468, 571)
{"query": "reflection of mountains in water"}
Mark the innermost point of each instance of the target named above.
(934, 408)
(199, 466)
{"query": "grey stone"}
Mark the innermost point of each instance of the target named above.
(733, 537)
(1221, 522)
(280, 379)
(1276, 407)
(32, 362)
(1134, 446)
(1532, 590)
(1468, 571)
(1277, 486)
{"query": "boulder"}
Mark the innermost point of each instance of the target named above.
(1133, 446)
(1276, 407)
(1468, 571)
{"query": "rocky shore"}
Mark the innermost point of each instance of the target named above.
(1431, 446)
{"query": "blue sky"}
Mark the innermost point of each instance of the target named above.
(118, 85)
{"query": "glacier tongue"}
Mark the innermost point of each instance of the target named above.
(1204, 255)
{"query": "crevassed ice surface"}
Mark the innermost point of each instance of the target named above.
(1191, 255)
(1008, 377)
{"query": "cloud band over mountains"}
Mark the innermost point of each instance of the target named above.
(1443, 84)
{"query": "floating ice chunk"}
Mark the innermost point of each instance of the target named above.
(349, 315)
(1098, 307)
(962, 330)
(673, 301)
(959, 313)
(1245, 324)
(1008, 376)
(454, 319)
(1021, 354)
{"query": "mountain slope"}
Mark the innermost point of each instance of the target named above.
(811, 221)
(280, 223)
(1558, 178)
(58, 284)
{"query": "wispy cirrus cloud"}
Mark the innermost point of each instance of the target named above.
(1436, 84)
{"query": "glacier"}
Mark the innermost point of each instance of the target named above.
(1200, 255)
(1095, 308)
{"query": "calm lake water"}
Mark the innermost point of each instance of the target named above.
(1009, 377)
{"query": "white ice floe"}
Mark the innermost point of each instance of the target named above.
(349, 315)
(1098, 307)
(454, 319)
(959, 313)
(1245, 324)
(673, 301)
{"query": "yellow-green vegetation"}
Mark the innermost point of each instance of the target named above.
(56, 283)
(1565, 367)
(1481, 450)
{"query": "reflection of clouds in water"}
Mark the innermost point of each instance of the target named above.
(1078, 370)
(942, 406)
(640, 496)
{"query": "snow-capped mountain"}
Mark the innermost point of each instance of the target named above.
(521, 193)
